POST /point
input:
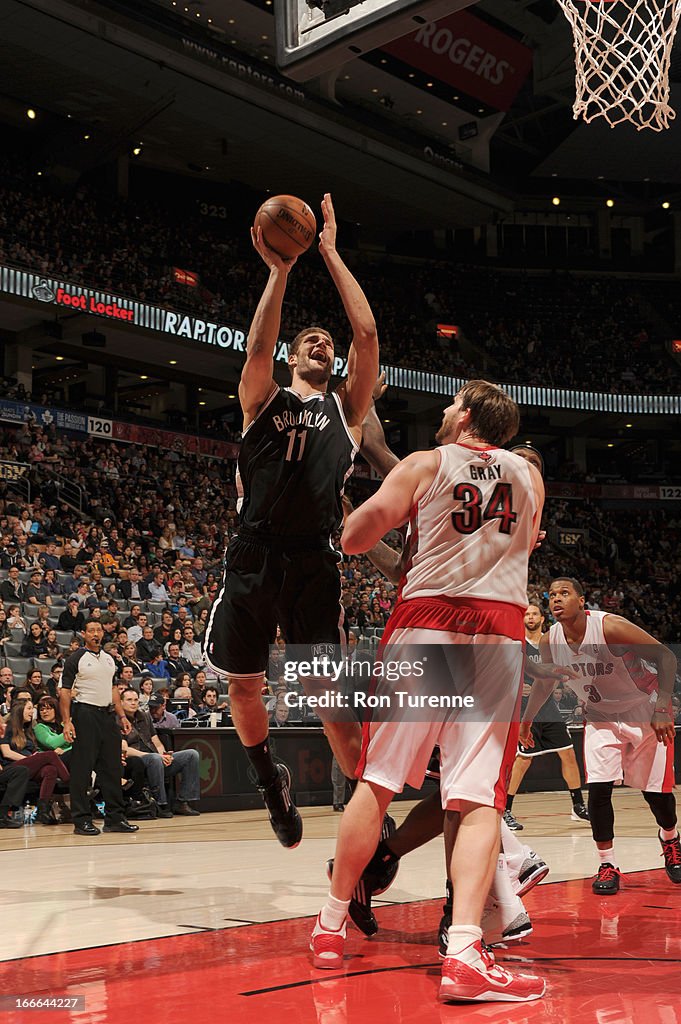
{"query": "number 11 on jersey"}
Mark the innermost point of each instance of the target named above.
(301, 436)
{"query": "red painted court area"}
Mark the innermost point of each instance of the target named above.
(612, 960)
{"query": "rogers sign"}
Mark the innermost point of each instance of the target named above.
(468, 54)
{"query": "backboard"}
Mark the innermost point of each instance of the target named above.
(314, 36)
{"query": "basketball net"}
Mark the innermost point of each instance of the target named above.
(622, 54)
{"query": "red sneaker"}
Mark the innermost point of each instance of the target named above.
(486, 981)
(327, 947)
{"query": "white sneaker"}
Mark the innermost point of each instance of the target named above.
(504, 922)
(532, 870)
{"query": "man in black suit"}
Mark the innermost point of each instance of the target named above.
(134, 588)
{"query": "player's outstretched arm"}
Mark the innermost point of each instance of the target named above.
(387, 560)
(389, 507)
(623, 637)
(374, 447)
(355, 392)
(256, 381)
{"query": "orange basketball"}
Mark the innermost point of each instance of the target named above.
(288, 225)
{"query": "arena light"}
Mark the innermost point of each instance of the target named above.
(610, 444)
(60, 359)
(172, 362)
(666, 204)
(610, 203)
(137, 150)
(556, 200)
(31, 114)
(144, 376)
(629, 424)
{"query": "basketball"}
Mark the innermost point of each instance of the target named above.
(288, 225)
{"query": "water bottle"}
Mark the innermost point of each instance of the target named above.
(30, 812)
(100, 807)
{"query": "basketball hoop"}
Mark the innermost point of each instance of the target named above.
(622, 53)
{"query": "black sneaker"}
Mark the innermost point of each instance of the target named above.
(445, 922)
(378, 875)
(514, 825)
(607, 881)
(580, 813)
(671, 851)
(284, 817)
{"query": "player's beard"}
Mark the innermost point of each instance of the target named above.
(449, 431)
(315, 374)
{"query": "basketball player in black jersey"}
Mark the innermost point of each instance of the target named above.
(549, 733)
(298, 447)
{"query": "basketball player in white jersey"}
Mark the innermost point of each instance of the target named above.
(475, 511)
(629, 731)
(549, 733)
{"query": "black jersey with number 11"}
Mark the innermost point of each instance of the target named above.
(295, 458)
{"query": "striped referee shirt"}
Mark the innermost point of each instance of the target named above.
(90, 676)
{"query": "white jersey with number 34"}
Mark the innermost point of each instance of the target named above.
(471, 531)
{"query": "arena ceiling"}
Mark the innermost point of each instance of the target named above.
(192, 119)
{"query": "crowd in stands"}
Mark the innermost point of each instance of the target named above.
(562, 330)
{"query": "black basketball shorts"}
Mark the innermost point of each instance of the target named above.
(549, 737)
(265, 586)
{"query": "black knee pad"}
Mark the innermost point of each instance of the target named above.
(601, 811)
(663, 806)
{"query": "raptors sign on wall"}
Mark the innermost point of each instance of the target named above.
(469, 55)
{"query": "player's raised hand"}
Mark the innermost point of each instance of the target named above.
(272, 259)
(540, 537)
(327, 236)
(380, 387)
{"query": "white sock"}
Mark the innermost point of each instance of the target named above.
(502, 888)
(513, 850)
(668, 833)
(333, 913)
(460, 941)
(608, 856)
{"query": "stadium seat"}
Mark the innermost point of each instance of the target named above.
(30, 611)
(157, 606)
(20, 666)
(12, 649)
(64, 637)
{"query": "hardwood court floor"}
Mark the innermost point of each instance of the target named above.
(195, 918)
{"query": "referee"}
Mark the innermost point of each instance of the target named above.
(94, 705)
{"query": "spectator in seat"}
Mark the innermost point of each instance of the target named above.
(161, 765)
(19, 744)
(36, 685)
(35, 591)
(147, 646)
(134, 588)
(72, 583)
(212, 701)
(5, 631)
(35, 643)
(130, 657)
(52, 584)
(176, 663)
(135, 632)
(146, 690)
(157, 588)
(164, 631)
(14, 619)
(191, 648)
(54, 681)
(49, 558)
(71, 619)
(131, 619)
(160, 716)
(201, 622)
(14, 782)
(12, 589)
(49, 729)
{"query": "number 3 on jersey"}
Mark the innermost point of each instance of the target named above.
(471, 517)
(293, 447)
